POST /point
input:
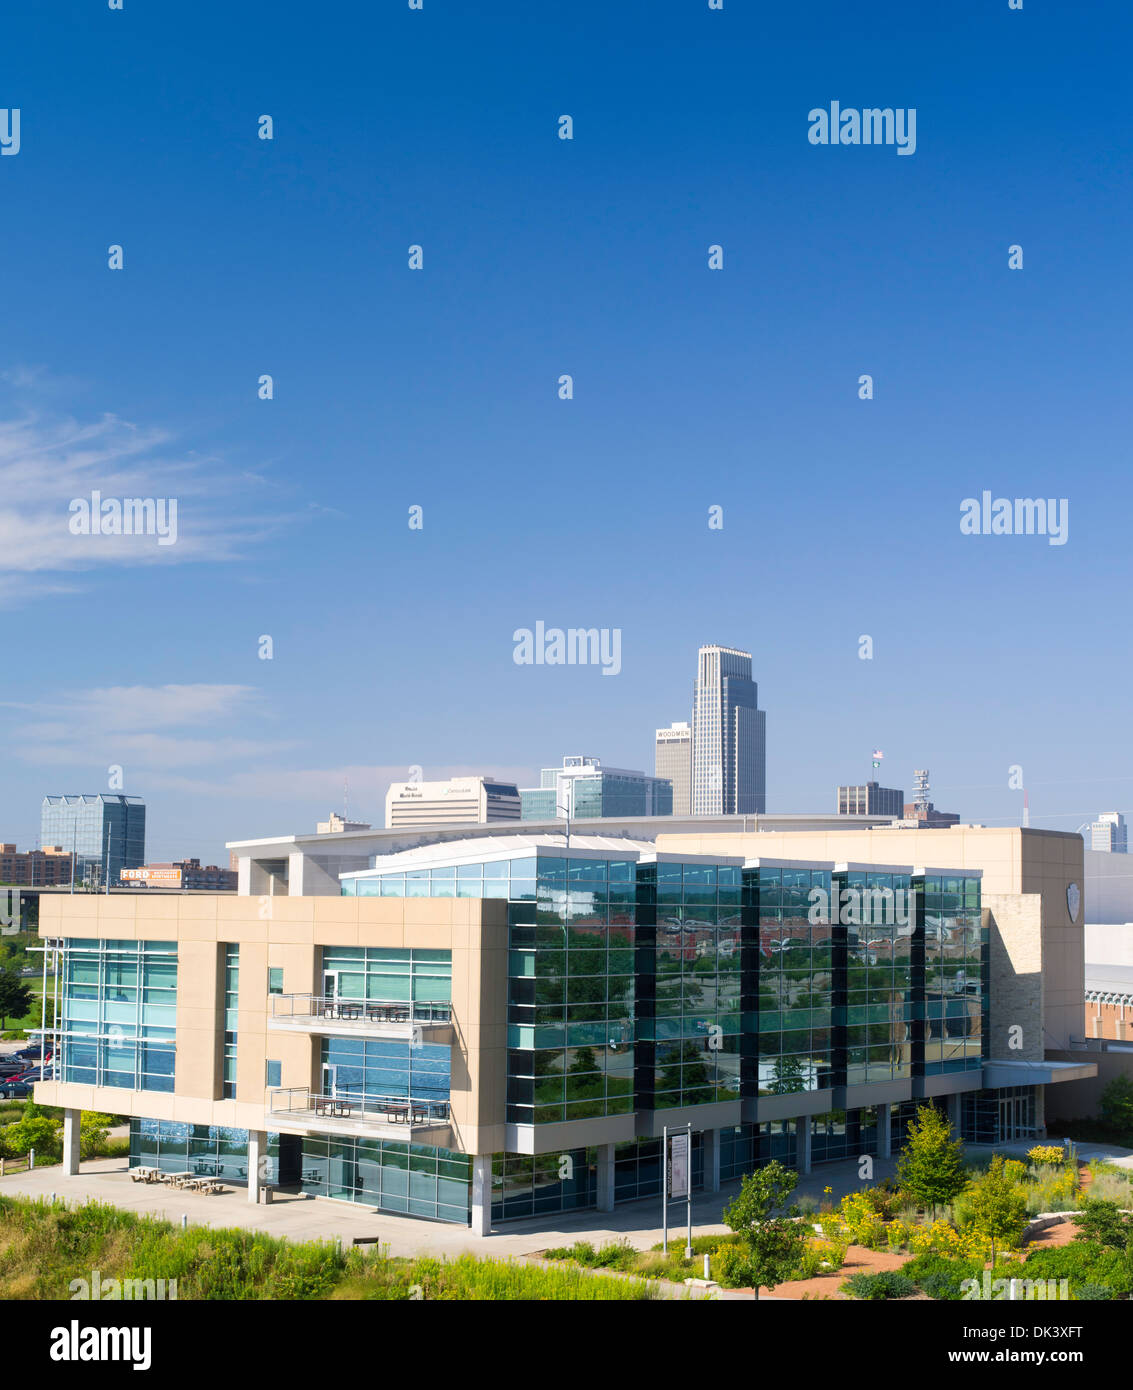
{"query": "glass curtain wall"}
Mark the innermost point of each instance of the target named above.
(118, 1013)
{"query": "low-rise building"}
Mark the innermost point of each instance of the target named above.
(38, 868)
(498, 1026)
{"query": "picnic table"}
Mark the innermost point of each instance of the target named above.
(143, 1174)
(387, 1013)
(334, 1105)
(177, 1179)
(202, 1184)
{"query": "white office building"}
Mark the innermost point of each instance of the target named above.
(459, 801)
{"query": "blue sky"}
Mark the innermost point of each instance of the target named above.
(438, 388)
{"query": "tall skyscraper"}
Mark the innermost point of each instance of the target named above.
(105, 832)
(1109, 833)
(673, 760)
(729, 736)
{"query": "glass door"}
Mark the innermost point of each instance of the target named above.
(330, 1079)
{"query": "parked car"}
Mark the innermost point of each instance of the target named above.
(11, 1088)
(37, 1074)
(12, 1068)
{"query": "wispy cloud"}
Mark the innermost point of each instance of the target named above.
(142, 729)
(46, 462)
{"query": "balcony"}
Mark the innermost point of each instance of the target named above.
(329, 1016)
(299, 1110)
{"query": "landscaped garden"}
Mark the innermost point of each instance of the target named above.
(943, 1221)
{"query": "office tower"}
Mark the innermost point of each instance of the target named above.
(729, 736)
(459, 801)
(868, 799)
(583, 789)
(1110, 834)
(673, 760)
(106, 833)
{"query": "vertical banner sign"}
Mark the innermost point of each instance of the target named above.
(679, 1166)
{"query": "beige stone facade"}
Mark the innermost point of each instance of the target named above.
(289, 934)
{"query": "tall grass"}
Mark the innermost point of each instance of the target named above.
(44, 1245)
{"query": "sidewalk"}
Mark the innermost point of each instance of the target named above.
(307, 1218)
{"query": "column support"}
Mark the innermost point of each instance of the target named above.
(605, 1177)
(481, 1194)
(257, 1152)
(71, 1123)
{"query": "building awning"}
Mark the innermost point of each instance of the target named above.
(1045, 1073)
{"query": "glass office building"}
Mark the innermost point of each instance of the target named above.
(656, 984)
(583, 789)
(106, 833)
(785, 1010)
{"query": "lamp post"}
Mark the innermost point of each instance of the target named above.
(566, 812)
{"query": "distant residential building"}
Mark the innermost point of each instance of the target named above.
(35, 867)
(729, 736)
(336, 825)
(869, 799)
(584, 789)
(105, 832)
(673, 762)
(459, 801)
(1109, 833)
(181, 873)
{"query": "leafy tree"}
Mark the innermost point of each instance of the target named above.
(1104, 1224)
(931, 1168)
(997, 1206)
(1117, 1104)
(15, 996)
(774, 1243)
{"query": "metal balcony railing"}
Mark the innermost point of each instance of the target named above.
(358, 1010)
(303, 1103)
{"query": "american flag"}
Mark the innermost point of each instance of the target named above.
(877, 753)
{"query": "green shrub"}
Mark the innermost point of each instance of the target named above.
(940, 1276)
(1083, 1264)
(886, 1284)
(1098, 1292)
(731, 1267)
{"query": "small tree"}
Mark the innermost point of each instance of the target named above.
(1117, 1105)
(997, 1207)
(15, 996)
(774, 1243)
(931, 1168)
(1104, 1223)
